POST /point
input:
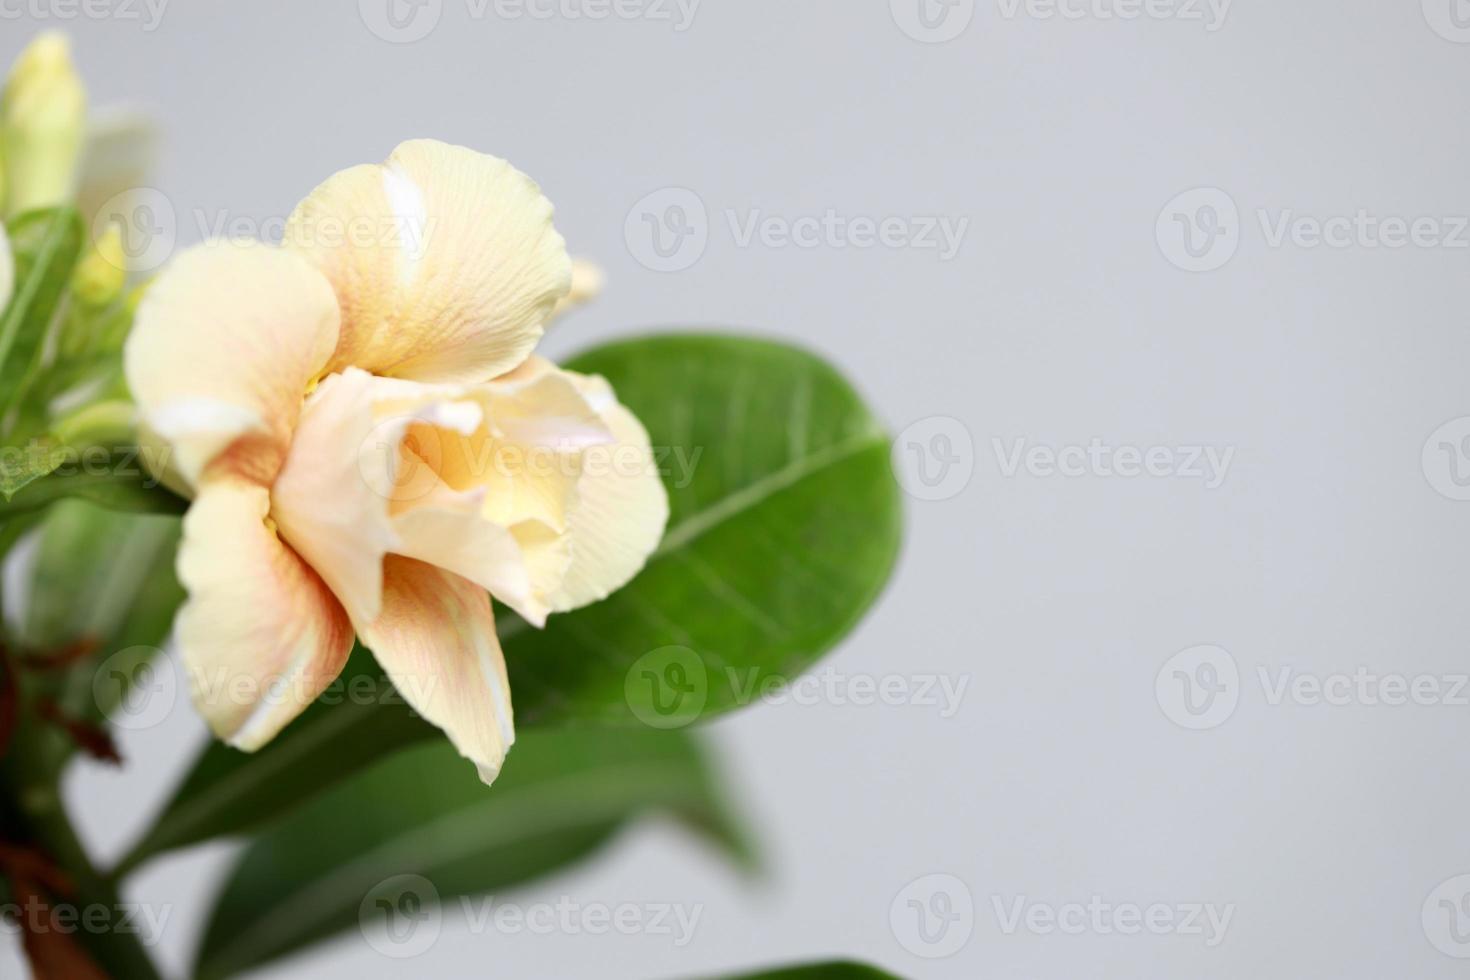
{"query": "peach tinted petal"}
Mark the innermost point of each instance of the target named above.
(224, 346)
(261, 634)
(436, 640)
(621, 509)
(521, 566)
(352, 464)
(444, 261)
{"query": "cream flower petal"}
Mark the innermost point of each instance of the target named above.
(224, 344)
(621, 509)
(587, 282)
(436, 640)
(7, 270)
(261, 634)
(447, 530)
(444, 261)
(326, 500)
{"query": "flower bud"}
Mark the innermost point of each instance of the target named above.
(102, 273)
(42, 122)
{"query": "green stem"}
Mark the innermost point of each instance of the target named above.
(30, 799)
(33, 816)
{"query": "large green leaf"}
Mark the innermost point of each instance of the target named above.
(421, 813)
(822, 971)
(785, 524)
(46, 245)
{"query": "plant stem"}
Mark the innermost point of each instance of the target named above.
(33, 814)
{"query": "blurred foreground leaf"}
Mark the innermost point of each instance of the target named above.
(822, 971)
(107, 580)
(45, 246)
(420, 813)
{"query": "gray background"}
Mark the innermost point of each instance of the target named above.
(1059, 599)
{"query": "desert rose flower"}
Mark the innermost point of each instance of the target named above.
(371, 447)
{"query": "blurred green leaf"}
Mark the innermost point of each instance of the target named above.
(117, 483)
(822, 971)
(104, 579)
(20, 466)
(357, 722)
(784, 528)
(422, 813)
(46, 245)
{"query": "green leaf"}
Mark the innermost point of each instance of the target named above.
(782, 536)
(20, 466)
(785, 526)
(117, 482)
(422, 813)
(357, 722)
(108, 579)
(46, 245)
(822, 971)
